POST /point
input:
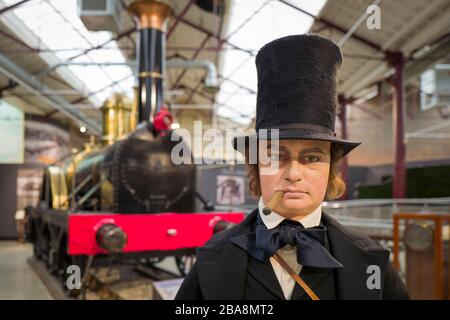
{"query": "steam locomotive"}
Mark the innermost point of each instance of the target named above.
(125, 200)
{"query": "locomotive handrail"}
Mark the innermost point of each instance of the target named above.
(78, 188)
(89, 193)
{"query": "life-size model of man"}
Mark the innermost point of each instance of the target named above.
(288, 248)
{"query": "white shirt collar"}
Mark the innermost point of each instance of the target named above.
(274, 219)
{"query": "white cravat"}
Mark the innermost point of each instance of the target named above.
(288, 253)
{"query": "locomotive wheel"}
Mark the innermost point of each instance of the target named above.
(36, 252)
(184, 263)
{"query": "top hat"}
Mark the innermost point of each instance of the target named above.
(297, 90)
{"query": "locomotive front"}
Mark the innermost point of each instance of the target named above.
(126, 196)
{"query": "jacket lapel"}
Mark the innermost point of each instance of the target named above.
(222, 267)
(318, 280)
(265, 275)
(263, 272)
(315, 279)
(219, 277)
(356, 253)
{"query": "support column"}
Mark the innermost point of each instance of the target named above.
(397, 61)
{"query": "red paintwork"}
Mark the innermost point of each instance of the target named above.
(163, 119)
(146, 232)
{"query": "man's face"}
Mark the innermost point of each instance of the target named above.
(303, 170)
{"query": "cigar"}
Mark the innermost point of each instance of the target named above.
(273, 202)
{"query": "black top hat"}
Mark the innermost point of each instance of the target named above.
(297, 90)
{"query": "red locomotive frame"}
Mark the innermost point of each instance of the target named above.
(146, 232)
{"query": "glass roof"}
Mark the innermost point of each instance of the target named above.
(273, 19)
(58, 27)
(251, 25)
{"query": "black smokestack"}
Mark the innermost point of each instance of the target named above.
(152, 18)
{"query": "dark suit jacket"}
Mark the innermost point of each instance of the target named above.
(223, 270)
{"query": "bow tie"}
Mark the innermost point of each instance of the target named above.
(264, 243)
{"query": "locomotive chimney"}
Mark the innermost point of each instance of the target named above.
(152, 18)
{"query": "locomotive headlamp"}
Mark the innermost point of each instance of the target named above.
(111, 238)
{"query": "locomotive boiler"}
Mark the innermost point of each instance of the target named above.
(125, 198)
